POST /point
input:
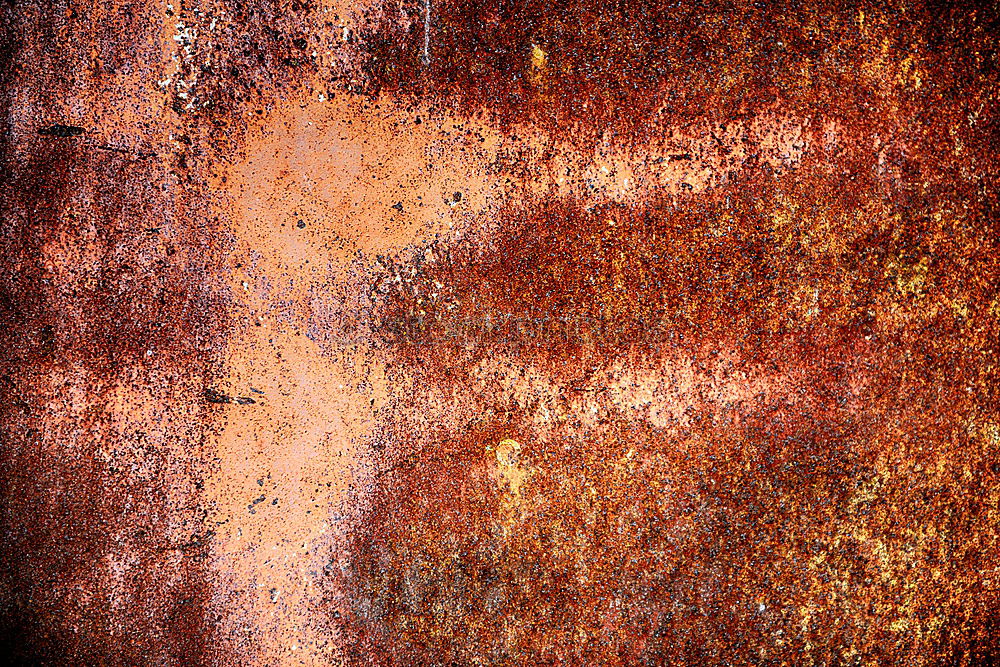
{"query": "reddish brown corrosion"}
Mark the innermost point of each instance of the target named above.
(630, 62)
(494, 332)
(737, 527)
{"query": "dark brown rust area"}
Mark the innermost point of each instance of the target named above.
(744, 267)
(97, 300)
(108, 314)
(603, 65)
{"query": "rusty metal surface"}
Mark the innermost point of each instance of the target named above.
(499, 333)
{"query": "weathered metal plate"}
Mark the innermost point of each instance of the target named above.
(499, 333)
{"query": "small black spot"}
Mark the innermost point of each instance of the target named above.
(301, 224)
(216, 396)
(61, 131)
(398, 206)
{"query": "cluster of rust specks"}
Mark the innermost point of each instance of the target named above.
(750, 417)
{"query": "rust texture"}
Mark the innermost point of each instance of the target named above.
(437, 332)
